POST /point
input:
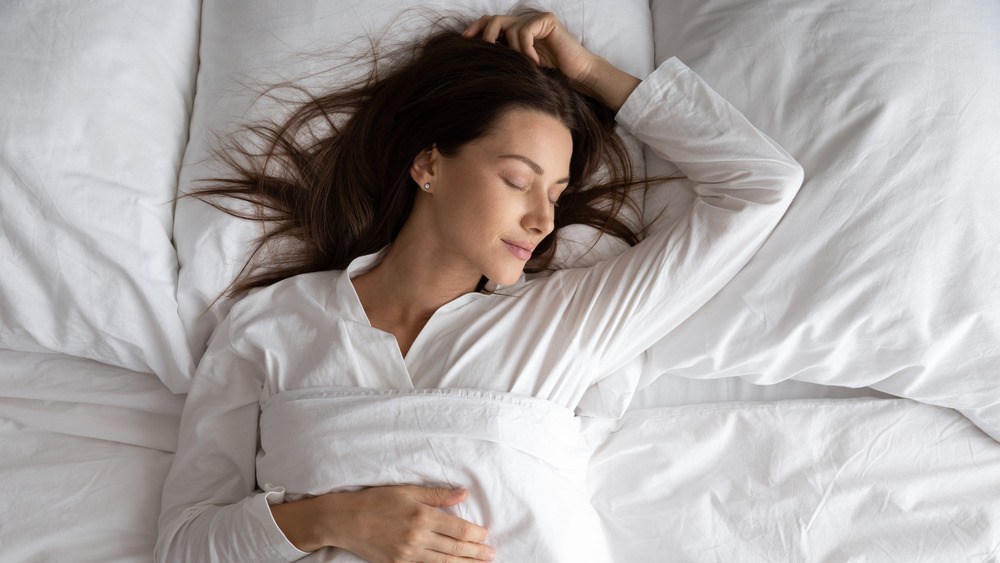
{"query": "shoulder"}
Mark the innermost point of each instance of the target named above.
(297, 297)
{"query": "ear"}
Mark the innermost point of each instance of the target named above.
(424, 166)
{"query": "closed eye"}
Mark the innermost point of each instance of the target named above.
(555, 200)
(521, 188)
(514, 185)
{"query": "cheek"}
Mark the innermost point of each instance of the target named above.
(476, 204)
(477, 221)
(461, 218)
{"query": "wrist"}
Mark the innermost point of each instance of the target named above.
(303, 523)
(609, 84)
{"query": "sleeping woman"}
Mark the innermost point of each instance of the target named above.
(392, 387)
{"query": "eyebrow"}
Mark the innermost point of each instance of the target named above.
(533, 165)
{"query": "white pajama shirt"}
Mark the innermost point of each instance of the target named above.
(549, 338)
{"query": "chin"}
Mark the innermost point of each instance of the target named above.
(509, 277)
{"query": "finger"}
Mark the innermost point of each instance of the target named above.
(456, 548)
(475, 27)
(526, 43)
(436, 496)
(458, 529)
(514, 40)
(493, 28)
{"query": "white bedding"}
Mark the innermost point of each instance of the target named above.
(84, 450)
(884, 271)
(858, 480)
(831, 480)
(883, 274)
(526, 453)
(96, 101)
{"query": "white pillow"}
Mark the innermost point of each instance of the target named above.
(94, 107)
(885, 270)
(247, 44)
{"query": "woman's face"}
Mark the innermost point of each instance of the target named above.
(494, 200)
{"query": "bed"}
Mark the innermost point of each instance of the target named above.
(837, 400)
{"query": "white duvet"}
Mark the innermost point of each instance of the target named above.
(854, 480)
(523, 460)
(859, 480)
(85, 449)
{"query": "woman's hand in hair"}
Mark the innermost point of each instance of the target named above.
(542, 38)
(385, 524)
(546, 41)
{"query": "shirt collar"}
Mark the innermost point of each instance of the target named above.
(346, 300)
(348, 303)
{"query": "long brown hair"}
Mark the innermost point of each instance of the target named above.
(333, 178)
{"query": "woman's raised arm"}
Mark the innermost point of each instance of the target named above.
(743, 182)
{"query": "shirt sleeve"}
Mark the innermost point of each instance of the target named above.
(212, 509)
(743, 183)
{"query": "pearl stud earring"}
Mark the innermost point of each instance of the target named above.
(427, 186)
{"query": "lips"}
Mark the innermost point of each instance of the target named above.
(522, 250)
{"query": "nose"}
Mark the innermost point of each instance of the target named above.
(539, 218)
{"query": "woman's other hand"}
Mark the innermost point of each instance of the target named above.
(385, 524)
(546, 41)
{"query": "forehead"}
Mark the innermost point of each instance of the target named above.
(538, 136)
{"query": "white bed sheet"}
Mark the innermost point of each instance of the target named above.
(84, 450)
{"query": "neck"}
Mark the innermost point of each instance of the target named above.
(415, 278)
